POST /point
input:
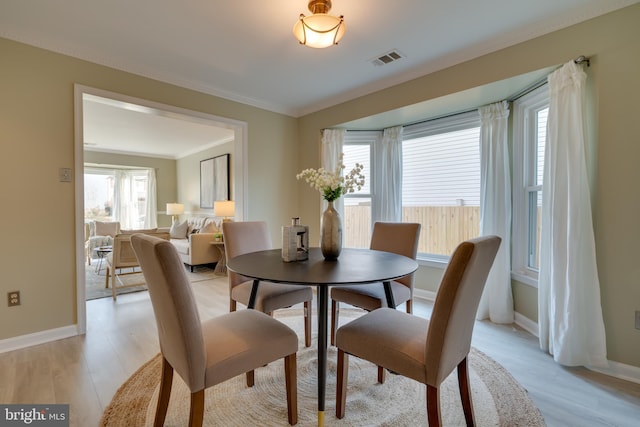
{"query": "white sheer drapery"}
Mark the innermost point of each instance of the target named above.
(331, 143)
(127, 198)
(496, 303)
(388, 206)
(569, 311)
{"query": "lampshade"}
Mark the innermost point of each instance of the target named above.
(224, 208)
(320, 29)
(175, 208)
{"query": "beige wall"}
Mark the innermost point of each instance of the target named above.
(613, 42)
(37, 138)
(189, 178)
(166, 182)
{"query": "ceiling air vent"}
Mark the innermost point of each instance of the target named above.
(387, 58)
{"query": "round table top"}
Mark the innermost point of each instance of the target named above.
(352, 266)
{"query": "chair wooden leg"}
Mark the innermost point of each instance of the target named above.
(433, 406)
(291, 384)
(196, 415)
(341, 385)
(409, 305)
(106, 277)
(335, 308)
(232, 305)
(166, 378)
(307, 323)
(250, 378)
(381, 375)
(465, 392)
(113, 283)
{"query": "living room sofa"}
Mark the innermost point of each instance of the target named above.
(192, 239)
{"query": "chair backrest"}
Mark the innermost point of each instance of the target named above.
(399, 238)
(123, 255)
(456, 304)
(241, 238)
(100, 228)
(174, 307)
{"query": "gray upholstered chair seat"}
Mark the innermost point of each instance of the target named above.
(243, 340)
(370, 296)
(273, 296)
(388, 338)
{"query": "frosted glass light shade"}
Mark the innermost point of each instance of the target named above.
(319, 30)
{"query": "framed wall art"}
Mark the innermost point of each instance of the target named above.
(214, 180)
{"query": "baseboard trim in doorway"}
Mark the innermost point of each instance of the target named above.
(42, 337)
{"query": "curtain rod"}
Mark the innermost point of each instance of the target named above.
(579, 60)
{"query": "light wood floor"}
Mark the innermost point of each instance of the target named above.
(86, 371)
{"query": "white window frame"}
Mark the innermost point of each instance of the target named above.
(525, 111)
(371, 139)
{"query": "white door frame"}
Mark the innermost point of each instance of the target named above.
(240, 172)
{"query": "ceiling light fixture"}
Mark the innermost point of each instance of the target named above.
(320, 29)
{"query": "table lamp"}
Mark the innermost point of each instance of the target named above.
(224, 208)
(175, 209)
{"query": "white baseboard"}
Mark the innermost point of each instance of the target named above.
(615, 369)
(425, 295)
(23, 341)
(621, 371)
(526, 324)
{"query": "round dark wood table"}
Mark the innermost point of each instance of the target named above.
(354, 266)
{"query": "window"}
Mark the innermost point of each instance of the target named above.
(357, 206)
(124, 195)
(441, 182)
(529, 138)
(98, 194)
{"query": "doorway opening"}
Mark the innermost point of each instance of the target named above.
(86, 100)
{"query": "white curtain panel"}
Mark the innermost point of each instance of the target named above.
(126, 212)
(496, 303)
(151, 213)
(388, 206)
(126, 200)
(569, 311)
(331, 143)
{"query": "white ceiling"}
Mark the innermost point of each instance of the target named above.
(116, 126)
(245, 50)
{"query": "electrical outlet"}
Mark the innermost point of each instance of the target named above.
(637, 319)
(13, 298)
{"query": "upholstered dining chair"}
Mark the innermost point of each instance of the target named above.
(253, 236)
(397, 237)
(424, 350)
(207, 353)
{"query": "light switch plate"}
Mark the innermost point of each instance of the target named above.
(65, 175)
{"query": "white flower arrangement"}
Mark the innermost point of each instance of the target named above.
(332, 185)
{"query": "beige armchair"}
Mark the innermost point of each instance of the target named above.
(424, 350)
(207, 353)
(123, 256)
(99, 233)
(396, 237)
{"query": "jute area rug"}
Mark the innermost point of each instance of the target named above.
(95, 279)
(498, 399)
